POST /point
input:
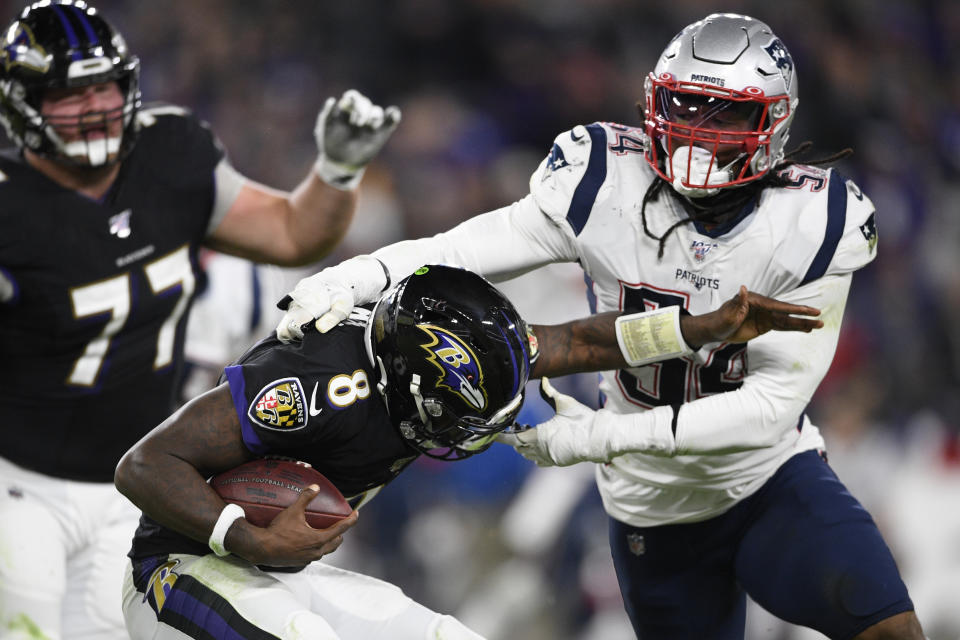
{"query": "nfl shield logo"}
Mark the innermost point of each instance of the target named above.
(636, 544)
(700, 249)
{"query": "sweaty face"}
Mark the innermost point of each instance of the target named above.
(89, 121)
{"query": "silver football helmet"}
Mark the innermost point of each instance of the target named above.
(719, 105)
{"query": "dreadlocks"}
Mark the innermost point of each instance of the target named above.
(729, 202)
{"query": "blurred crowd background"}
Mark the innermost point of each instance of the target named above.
(484, 86)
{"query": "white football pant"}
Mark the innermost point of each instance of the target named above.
(63, 547)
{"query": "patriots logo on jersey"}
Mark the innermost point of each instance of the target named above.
(556, 160)
(460, 370)
(280, 406)
(22, 49)
(869, 231)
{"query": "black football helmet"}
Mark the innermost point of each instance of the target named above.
(454, 356)
(59, 45)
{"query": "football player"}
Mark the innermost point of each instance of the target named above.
(712, 474)
(105, 205)
(437, 367)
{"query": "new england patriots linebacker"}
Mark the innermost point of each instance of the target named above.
(712, 474)
(105, 204)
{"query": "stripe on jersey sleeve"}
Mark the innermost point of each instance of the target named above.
(586, 192)
(836, 221)
(237, 385)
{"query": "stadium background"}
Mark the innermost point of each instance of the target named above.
(484, 86)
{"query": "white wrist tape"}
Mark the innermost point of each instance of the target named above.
(337, 175)
(230, 513)
(651, 336)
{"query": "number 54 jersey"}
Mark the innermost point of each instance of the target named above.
(93, 296)
(739, 408)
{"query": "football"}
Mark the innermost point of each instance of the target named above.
(267, 486)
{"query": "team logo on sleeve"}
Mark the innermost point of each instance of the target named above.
(869, 231)
(280, 406)
(460, 370)
(556, 160)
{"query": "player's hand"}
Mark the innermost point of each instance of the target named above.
(291, 542)
(562, 440)
(327, 298)
(746, 316)
(349, 133)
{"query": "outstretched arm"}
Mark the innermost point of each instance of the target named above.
(590, 344)
(165, 475)
(301, 227)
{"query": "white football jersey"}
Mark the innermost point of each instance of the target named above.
(739, 407)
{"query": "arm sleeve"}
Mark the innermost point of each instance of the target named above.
(227, 185)
(499, 244)
(785, 368)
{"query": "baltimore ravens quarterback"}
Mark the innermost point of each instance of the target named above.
(437, 367)
(105, 204)
(712, 474)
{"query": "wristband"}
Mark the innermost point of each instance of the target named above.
(338, 176)
(230, 513)
(651, 336)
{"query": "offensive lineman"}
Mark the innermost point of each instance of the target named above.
(712, 474)
(105, 206)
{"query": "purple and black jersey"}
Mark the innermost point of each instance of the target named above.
(314, 401)
(92, 319)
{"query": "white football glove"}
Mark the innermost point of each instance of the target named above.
(327, 298)
(349, 132)
(579, 434)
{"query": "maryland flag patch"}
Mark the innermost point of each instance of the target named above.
(280, 406)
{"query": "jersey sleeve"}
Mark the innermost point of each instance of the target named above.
(858, 242)
(837, 231)
(531, 233)
(785, 370)
(566, 184)
(271, 401)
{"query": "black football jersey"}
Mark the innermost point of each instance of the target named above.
(92, 337)
(314, 401)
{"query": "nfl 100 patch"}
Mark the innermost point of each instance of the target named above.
(280, 406)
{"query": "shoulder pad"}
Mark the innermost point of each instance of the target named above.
(840, 228)
(566, 183)
(148, 115)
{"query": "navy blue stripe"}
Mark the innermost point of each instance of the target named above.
(68, 29)
(87, 27)
(836, 221)
(586, 193)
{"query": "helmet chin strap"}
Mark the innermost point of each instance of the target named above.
(695, 164)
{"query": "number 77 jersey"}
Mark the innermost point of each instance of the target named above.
(93, 298)
(739, 408)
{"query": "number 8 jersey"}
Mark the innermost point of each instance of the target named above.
(94, 293)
